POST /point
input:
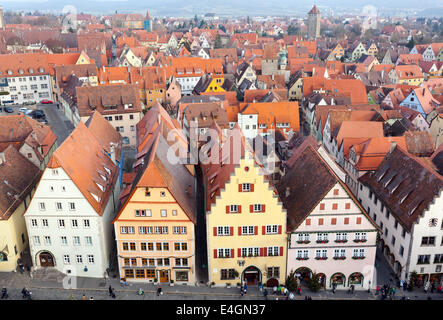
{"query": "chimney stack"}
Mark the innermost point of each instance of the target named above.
(112, 152)
(288, 192)
(2, 158)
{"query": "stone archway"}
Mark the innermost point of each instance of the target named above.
(338, 278)
(305, 273)
(356, 278)
(322, 279)
(251, 275)
(45, 259)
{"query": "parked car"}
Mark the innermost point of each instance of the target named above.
(37, 114)
(24, 110)
(8, 109)
(46, 101)
(28, 103)
(42, 120)
(8, 102)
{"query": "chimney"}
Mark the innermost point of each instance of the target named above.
(392, 147)
(2, 158)
(288, 192)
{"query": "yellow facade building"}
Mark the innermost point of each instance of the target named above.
(154, 229)
(245, 221)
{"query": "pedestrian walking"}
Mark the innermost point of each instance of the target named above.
(159, 291)
(113, 294)
(274, 290)
(291, 296)
(110, 290)
(91, 298)
(279, 289)
(265, 294)
(24, 293)
(432, 287)
(334, 286)
(245, 289)
(285, 291)
(84, 297)
(241, 291)
(426, 287)
(4, 293)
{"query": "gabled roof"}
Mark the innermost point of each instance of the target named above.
(406, 185)
(18, 177)
(83, 159)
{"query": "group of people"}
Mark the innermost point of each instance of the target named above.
(387, 291)
(26, 294)
(5, 293)
(433, 287)
(111, 292)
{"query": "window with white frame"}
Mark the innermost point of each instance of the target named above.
(322, 236)
(272, 229)
(64, 240)
(34, 223)
(123, 230)
(246, 187)
(76, 241)
(247, 230)
(86, 223)
(71, 206)
(339, 253)
(360, 236)
(48, 240)
(61, 223)
(163, 213)
(250, 252)
(45, 223)
(42, 206)
(258, 207)
(58, 206)
(131, 230)
(273, 251)
(303, 237)
(302, 254)
(233, 208)
(342, 236)
(36, 240)
(224, 253)
(88, 241)
(90, 258)
(223, 231)
(74, 223)
(79, 259)
(183, 230)
(66, 259)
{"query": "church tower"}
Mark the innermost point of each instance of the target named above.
(314, 18)
(148, 22)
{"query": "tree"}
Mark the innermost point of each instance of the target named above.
(411, 43)
(291, 282)
(314, 283)
(293, 30)
(218, 44)
(413, 279)
(222, 28)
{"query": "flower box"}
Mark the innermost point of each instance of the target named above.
(339, 258)
(341, 241)
(358, 258)
(322, 241)
(321, 258)
(303, 241)
(302, 258)
(360, 240)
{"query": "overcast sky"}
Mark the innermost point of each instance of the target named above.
(217, 6)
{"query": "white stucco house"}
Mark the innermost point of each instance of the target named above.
(69, 217)
(404, 198)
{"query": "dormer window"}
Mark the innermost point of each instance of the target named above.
(31, 70)
(41, 70)
(21, 71)
(9, 72)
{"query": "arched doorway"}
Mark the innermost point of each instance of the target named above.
(304, 274)
(338, 278)
(322, 280)
(251, 275)
(356, 278)
(272, 283)
(46, 259)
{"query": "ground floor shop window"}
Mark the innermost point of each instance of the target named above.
(150, 273)
(140, 273)
(181, 276)
(273, 272)
(356, 278)
(227, 274)
(129, 273)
